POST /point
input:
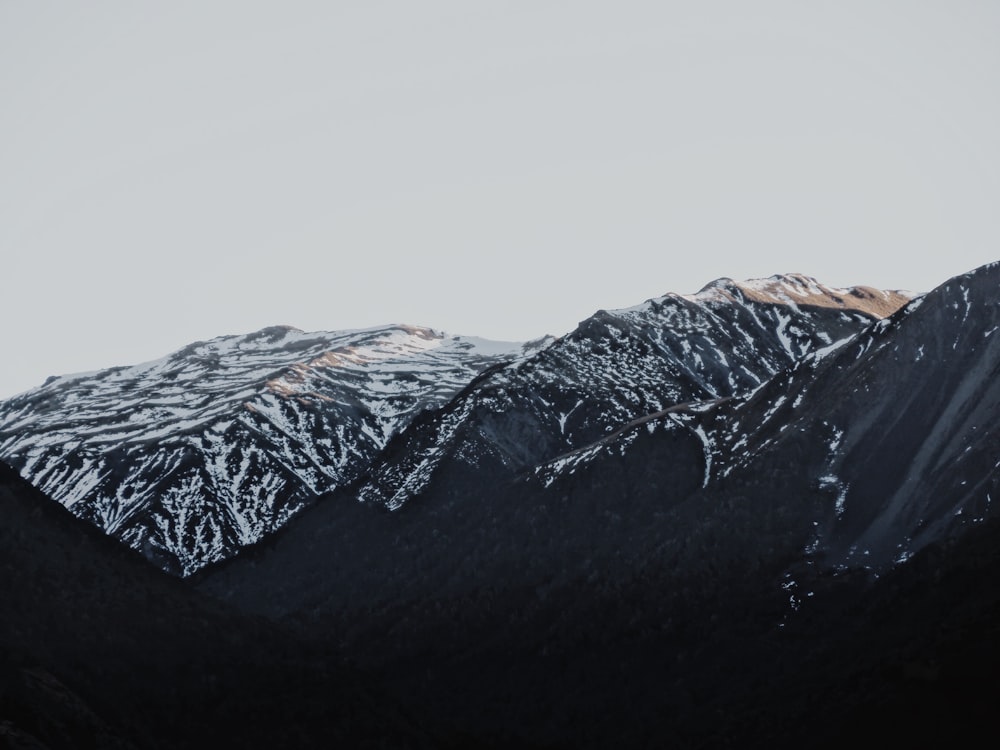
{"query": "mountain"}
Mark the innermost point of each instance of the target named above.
(729, 569)
(615, 368)
(620, 365)
(190, 457)
(895, 429)
(889, 436)
(769, 524)
(197, 455)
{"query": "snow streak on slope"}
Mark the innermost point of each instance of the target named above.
(192, 456)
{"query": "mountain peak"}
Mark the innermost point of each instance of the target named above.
(799, 289)
(204, 451)
(787, 290)
(191, 456)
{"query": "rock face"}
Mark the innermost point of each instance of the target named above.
(885, 442)
(191, 457)
(744, 569)
(896, 429)
(856, 455)
(540, 463)
(620, 365)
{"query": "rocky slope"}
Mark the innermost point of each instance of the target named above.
(620, 365)
(891, 433)
(896, 429)
(755, 532)
(193, 456)
(100, 649)
(745, 570)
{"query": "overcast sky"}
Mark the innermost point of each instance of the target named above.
(173, 171)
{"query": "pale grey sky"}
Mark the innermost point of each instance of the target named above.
(173, 171)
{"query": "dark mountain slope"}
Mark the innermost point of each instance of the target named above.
(906, 660)
(619, 365)
(897, 428)
(475, 518)
(691, 571)
(100, 649)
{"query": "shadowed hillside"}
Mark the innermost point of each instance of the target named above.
(100, 649)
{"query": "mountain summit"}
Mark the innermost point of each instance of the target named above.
(190, 457)
(621, 365)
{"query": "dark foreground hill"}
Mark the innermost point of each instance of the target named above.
(98, 649)
(102, 651)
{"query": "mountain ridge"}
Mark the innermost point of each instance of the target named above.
(754, 532)
(707, 584)
(195, 455)
(620, 365)
(190, 456)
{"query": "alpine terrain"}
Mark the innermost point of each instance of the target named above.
(193, 456)
(760, 515)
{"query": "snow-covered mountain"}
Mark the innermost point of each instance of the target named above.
(895, 429)
(754, 516)
(884, 443)
(860, 454)
(620, 365)
(190, 457)
(194, 456)
(197, 455)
